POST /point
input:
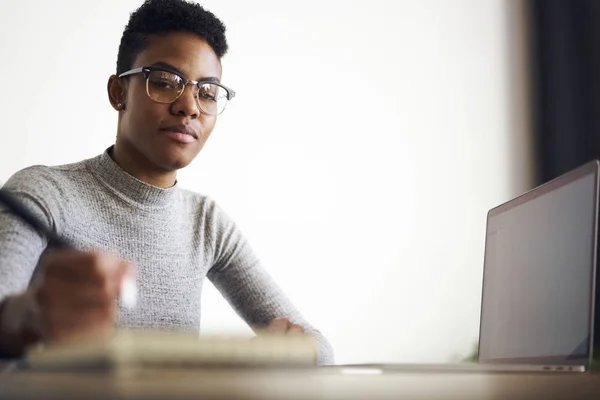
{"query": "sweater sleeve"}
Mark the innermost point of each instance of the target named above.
(238, 275)
(21, 245)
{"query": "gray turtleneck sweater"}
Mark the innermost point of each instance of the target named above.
(174, 237)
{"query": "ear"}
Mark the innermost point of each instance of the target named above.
(117, 92)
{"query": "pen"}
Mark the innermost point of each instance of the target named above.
(128, 288)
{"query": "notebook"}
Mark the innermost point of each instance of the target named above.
(123, 349)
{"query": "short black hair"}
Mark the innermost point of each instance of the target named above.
(159, 17)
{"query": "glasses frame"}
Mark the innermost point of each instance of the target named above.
(147, 70)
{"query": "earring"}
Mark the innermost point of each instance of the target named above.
(119, 105)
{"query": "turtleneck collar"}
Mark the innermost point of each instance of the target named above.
(129, 188)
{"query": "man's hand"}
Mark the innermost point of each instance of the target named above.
(73, 298)
(283, 326)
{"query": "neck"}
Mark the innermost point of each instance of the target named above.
(138, 166)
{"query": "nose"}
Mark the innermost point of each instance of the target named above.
(186, 105)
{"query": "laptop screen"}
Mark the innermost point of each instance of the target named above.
(538, 280)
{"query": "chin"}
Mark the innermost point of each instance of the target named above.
(174, 161)
(174, 164)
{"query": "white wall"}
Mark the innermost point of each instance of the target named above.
(367, 142)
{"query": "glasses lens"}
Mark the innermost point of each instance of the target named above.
(212, 98)
(163, 86)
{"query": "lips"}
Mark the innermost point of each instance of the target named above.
(181, 133)
(185, 129)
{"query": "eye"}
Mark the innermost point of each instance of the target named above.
(163, 84)
(163, 80)
(206, 96)
(208, 92)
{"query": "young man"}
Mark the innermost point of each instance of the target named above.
(124, 207)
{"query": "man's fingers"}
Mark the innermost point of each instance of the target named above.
(76, 293)
(78, 297)
(76, 266)
(283, 325)
(295, 329)
(278, 325)
(102, 271)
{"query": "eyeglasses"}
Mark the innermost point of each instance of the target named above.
(166, 86)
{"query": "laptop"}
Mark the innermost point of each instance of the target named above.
(537, 311)
(539, 276)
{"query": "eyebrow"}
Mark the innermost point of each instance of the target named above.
(161, 64)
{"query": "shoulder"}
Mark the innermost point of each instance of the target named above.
(43, 190)
(48, 191)
(45, 180)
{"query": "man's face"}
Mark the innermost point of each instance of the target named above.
(148, 129)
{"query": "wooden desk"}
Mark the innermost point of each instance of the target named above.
(323, 383)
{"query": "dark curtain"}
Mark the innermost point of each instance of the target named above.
(566, 91)
(566, 83)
